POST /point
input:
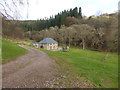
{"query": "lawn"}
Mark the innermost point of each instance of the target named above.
(100, 68)
(10, 51)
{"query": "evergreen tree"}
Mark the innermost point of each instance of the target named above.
(80, 12)
(71, 12)
(75, 12)
(56, 20)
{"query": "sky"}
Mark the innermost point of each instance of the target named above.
(45, 8)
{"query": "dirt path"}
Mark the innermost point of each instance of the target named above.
(28, 71)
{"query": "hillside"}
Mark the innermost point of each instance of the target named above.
(98, 68)
(59, 44)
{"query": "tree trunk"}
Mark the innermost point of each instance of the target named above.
(83, 42)
(69, 42)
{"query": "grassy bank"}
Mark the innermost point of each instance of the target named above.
(101, 69)
(11, 51)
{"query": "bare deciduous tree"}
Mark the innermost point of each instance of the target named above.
(11, 9)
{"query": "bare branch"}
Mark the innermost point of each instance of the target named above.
(14, 3)
(7, 6)
(5, 12)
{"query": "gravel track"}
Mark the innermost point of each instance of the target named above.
(31, 70)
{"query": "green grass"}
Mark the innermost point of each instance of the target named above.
(100, 68)
(10, 51)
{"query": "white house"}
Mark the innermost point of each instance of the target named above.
(47, 43)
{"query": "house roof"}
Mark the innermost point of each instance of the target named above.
(48, 40)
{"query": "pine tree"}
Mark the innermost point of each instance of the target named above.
(75, 12)
(80, 12)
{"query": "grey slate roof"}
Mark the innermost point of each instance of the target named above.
(47, 40)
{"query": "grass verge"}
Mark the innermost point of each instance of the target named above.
(99, 68)
(10, 51)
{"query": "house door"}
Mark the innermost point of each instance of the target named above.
(41, 46)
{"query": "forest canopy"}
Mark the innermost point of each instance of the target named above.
(57, 20)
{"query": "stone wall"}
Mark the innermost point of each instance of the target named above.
(51, 46)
